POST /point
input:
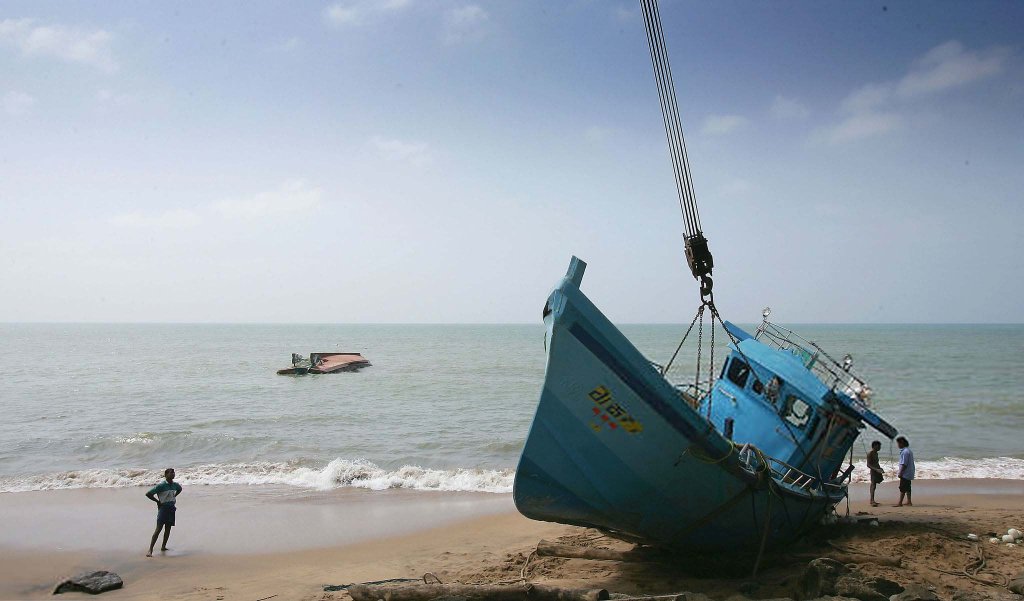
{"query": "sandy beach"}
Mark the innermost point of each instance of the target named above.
(251, 543)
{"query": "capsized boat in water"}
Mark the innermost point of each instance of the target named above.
(615, 445)
(324, 363)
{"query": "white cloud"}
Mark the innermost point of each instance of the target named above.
(112, 98)
(465, 24)
(871, 109)
(417, 153)
(866, 98)
(67, 43)
(354, 11)
(719, 125)
(340, 14)
(295, 196)
(863, 125)
(787, 108)
(173, 219)
(948, 66)
(17, 103)
(292, 197)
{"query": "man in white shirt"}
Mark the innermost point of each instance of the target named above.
(906, 470)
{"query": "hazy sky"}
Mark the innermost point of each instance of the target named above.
(440, 161)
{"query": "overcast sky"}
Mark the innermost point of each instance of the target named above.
(440, 161)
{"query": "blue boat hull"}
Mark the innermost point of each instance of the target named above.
(615, 446)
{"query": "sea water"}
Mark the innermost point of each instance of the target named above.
(443, 407)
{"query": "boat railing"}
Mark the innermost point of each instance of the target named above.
(752, 458)
(694, 393)
(832, 373)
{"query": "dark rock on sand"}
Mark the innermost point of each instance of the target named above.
(992, 594)
(1017, 584)
(828, 577)
(93, 583)
(852, 586)
(885, 586)
(820, 577)
(915, 592)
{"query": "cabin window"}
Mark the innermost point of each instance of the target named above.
(739, 371)
(796, 411)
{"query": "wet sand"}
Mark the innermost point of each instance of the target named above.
(251, 543)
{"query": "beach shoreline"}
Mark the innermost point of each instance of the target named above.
(400, 534)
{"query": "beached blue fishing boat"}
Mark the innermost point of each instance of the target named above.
(615, 445)
(751, 458)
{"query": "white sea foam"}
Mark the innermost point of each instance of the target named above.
(1006, 468)
(360, 473)
(336, 474)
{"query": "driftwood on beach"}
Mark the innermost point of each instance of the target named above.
(490, 592)
(549, 549)
(895, 562)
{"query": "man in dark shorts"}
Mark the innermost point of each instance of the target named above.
(877, 475)
(164, 495)
(906, 470)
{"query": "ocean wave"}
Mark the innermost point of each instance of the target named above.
(1003, 468)
(359, 473)
(339, 473)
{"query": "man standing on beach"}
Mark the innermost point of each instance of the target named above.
(906, 470)
(876, 469)
(164, 494)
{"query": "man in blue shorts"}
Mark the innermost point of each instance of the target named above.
(906, 470)
(164, 495)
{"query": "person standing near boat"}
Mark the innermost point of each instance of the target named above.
(906, 470)
(164, 494)
(877, 475)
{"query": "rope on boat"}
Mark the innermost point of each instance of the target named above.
(700, 345)
(705, 458)
(711, 363)
(764, 536)
(700, 311)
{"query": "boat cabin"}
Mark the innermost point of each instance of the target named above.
(772, 393)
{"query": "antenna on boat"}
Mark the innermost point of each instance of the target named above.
(698, 256)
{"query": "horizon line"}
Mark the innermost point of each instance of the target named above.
(504, 323)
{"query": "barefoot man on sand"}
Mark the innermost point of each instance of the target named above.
(876, 469)
(906, 470)
(164, 495)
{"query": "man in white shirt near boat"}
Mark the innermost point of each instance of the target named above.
(905, 471)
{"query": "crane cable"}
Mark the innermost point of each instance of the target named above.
(670, 116)
(698, 256)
